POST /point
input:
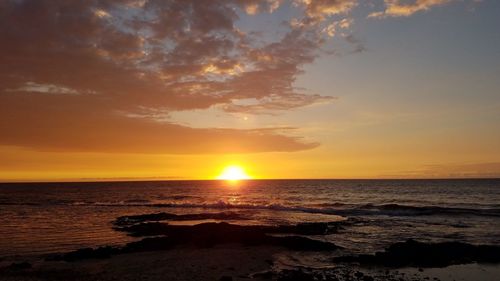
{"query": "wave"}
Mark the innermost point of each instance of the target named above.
(408, 210)
(338, 209)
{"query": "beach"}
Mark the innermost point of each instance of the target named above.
(233, 261)
(228, 252)
(229, 262)
(259, 230)
(221, 140)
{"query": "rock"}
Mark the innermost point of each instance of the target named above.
(358, 274)
(294, 275)
(299, 243)
(226, 278)
(314, 228)
(201, 235)
(148, 244)
(156, 217)
(367, 278)
(210, 234)
(149, 225)
(129, 220)
(145, 229)
(88, 253)
(263, 275)
(19, 266)
(424, 255)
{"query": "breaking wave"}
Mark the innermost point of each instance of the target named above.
(330, 209)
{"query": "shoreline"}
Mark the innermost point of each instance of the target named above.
(224, 251)
(229, 262)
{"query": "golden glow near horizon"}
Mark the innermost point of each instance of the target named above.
(230, 90)
(233, 173)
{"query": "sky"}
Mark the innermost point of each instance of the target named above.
(181, 89)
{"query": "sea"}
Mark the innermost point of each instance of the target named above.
(37, 219)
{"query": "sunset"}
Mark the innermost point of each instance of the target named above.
(249, 139)
(302, 89)
(233, 173)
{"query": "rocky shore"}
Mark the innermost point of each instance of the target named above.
(225, 251)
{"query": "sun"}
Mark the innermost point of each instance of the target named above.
(233, 173)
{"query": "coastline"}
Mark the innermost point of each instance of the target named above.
(262, 230)
(228, 262)
(184, 263)
(224, 251)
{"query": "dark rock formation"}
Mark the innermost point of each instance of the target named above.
(131, 220)
(88, 253)
(145, 227)
(201, 236)
(295, 275)
(19, 266)
(418, 254)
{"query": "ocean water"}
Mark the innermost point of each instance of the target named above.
(43, 218)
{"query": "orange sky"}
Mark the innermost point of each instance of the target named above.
(97, 90)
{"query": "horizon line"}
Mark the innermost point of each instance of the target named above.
(112, 180)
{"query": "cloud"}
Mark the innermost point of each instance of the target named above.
(79, 74)
(71, 124)
(184, 54)
(333, 27)
(466, 170)
(323, 8)
(131, 55)
(45, 88)
(399, 8)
